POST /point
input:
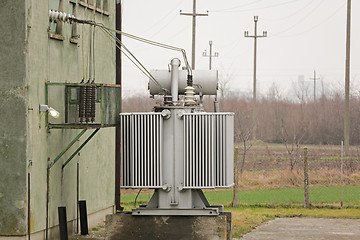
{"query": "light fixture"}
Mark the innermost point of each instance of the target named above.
(52, 112)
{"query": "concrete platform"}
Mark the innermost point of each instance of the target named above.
(307, 228)
(126, 226)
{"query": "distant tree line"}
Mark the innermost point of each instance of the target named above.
(280, 120)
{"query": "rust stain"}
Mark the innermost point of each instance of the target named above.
(32, 222)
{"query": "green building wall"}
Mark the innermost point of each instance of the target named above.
(13, 123)
(29, 58)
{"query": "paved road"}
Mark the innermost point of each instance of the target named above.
(307, 228)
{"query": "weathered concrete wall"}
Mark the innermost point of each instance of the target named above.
(13, 118)
(28, 59)
(126, 226)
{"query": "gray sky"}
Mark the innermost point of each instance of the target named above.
(303, 36)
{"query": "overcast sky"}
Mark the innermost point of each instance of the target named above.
(303, 36)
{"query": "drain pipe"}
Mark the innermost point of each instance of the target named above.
(47, 198)
(77, 196)
(175, 64)
(29, 205)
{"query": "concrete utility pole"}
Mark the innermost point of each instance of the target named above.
(314, 78)
(347, 82)
(255, 36)
(216, 54)
(194, 15)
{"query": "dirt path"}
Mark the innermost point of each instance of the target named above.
(307, 228)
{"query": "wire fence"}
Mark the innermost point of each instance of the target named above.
(273, 175)
(276, 174)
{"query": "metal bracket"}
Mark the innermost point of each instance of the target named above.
(70, 145)
(143, 211)
(79, 148)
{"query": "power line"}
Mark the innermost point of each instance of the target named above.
(292, 14)
(238, 6)
(301, 20)
(259, 8)
(317, 25)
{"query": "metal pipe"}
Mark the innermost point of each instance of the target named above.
(77, 196)
(29, 232)
(47, 198)
(175, 64)
(82, 145)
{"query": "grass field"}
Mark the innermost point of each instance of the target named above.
(269, 189)
(318, 195)
(259, 206)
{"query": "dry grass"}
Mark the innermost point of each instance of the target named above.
(251, 180)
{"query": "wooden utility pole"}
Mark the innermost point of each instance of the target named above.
(216, 54)
(347, 82)
(314, 78)
(255, 36)
(194, 15)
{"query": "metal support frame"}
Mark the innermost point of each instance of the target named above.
(143, 211)
(79, 148)
(67, 147)
(79, 126)
(70, 145)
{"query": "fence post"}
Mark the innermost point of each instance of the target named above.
(306, 179)
(342, 179)
(235, 201)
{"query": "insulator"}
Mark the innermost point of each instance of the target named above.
(55, 15)
(88, 103)
(82, 103)
(92, 102)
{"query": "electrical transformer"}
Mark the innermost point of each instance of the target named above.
(178, 149)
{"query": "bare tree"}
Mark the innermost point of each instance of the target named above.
(292, 142)
(224, 81)
(243, 132)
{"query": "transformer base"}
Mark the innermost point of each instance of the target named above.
(127, 226)
(208, 211)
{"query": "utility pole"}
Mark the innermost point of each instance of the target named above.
(347, 82)
(216, 54)
(314, 78)
(255, 36)
(118, 206)
(194, 15)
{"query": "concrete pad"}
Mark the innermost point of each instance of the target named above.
(307, 228)
(129, 227)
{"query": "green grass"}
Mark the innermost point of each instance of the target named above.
(259, 206)
(130, 198)
(329, 195)
(318, 195)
